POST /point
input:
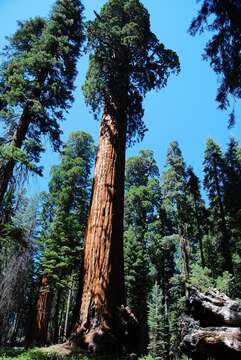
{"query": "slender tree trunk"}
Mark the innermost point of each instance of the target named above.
(56, 317)
(61, 322)
(200, 242)
(67, 311)
(142, 316)
(103, 268)
(167, 328)
(184, 245)
(76, 309)
(41, 316)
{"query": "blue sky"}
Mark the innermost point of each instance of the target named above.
(185, 110)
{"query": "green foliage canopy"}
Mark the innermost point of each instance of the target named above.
(126, 58)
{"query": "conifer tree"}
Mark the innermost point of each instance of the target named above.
(214, 182)
(64, 216)
(175, 197)
(156, 324)
(126, 62)
(142, 200)
(232, 186)
(199, 211)
(36, 84)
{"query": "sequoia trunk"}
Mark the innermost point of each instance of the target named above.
(40, 321)
(103, 296)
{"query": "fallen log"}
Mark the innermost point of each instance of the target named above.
(211, 326)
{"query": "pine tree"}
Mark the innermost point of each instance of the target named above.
(214, 182)
(232, 204)
(141, 202)
(156, 324)
(175, 198)
(126, 61)
(64, 215)
(232, 193)
(199, 211)
(36, 84)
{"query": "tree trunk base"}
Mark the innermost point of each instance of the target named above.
(211, 327)
(119, 337)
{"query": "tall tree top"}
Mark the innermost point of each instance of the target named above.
(125, 58)
(222, 17)
(214, 169)
(139, 169)
(174, 177)
(37, 78)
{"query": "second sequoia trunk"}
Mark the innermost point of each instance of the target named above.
(102, 310)
(41, 315)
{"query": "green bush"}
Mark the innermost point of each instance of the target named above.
(201, 277)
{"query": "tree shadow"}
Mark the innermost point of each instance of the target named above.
(11, 352)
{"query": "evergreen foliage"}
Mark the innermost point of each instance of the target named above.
(222, 18)
(175, 198)
(64, 216)
(214, 182)
(65, 207)
(141, 202)
(126, 60)
(36, 85)
(156, 323)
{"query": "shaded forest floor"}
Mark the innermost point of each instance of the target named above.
(16, 353)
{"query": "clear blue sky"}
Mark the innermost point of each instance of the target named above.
(185, 111)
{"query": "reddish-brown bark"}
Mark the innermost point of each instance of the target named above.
(103, 294)
(40, 321)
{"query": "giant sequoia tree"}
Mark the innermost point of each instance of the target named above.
(126, 62)
(36, 83)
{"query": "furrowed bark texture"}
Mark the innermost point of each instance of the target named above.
(41, 316)
(211, 328)
(102, 310)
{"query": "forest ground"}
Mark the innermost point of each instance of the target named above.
(18, 353)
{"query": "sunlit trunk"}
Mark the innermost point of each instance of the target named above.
(103, 268)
